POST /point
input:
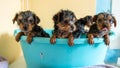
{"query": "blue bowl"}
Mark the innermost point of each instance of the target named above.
(41, 54)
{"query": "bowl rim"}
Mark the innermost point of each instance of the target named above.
(63, 40)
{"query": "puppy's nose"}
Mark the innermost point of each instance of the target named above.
(66, 21)
(104, 25)
(25, 27)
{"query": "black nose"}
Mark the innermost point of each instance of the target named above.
(25, 27)
(66, 21)
(104, 25)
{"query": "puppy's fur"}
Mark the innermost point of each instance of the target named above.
(103, 22)
(82, 26)
(28, 24)
(64, 25)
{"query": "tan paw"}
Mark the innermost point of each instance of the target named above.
(17, 38)
(91, 41)
(107, 42)
(29, 40)
(71, 43)
(52, 40)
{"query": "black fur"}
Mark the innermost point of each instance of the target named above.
(80, 24)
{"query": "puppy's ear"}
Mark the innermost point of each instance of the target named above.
(115, 22)
(15, 18)
(75, 19)
(95, 18)
(55, 18)
(37, 19)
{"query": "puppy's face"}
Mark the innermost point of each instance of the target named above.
(65, 20)
(88, 21)
(104, 21)
(26, 20)
(83, 24)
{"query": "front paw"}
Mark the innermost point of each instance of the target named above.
(29, 40)
(17, 38)
(52, 40)
(91, 41)
(71, 43)
(107, 42)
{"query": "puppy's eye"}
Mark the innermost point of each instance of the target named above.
(31, 21)
(20, 20)
(99, 20)
(18, 23)
(71, 19)
(111, 21)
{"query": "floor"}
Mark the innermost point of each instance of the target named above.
(19, 63)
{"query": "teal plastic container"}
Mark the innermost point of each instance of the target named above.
(41, 54)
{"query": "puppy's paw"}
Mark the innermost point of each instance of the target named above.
(91, 41)
(107, 42)
(29, 40)
(52, 40)
(17, 38)
(71, 43)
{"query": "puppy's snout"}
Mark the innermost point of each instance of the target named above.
(105, 25)
(66, 21)
(25, 27)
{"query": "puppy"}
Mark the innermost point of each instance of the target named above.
(64, 25)
(101, 27)
(82, 26)
(28, 24)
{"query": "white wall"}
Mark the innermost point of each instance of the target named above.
(116, 12)
(9, 48)
(8, 8)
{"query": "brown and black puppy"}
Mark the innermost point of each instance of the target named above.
(82, 26)
(103, 22)
(28, 24)
(64, 25)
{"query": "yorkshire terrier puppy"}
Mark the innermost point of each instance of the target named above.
(64, 26)
(101, 27)
(28, 24)
(82, 26)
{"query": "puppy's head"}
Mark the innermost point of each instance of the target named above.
(83, 24)
(88, 21)
(65, 20)
(104, 21)
(26, 20)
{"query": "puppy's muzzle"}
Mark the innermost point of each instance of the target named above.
(105, 25)
(66, 21)
(25, 27)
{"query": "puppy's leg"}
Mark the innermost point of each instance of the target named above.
(106, 39)
(71, 40)
(17, 38)
(30, 37)
(90, 38)
(53, 39)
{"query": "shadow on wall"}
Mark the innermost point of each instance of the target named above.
(9, 48)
